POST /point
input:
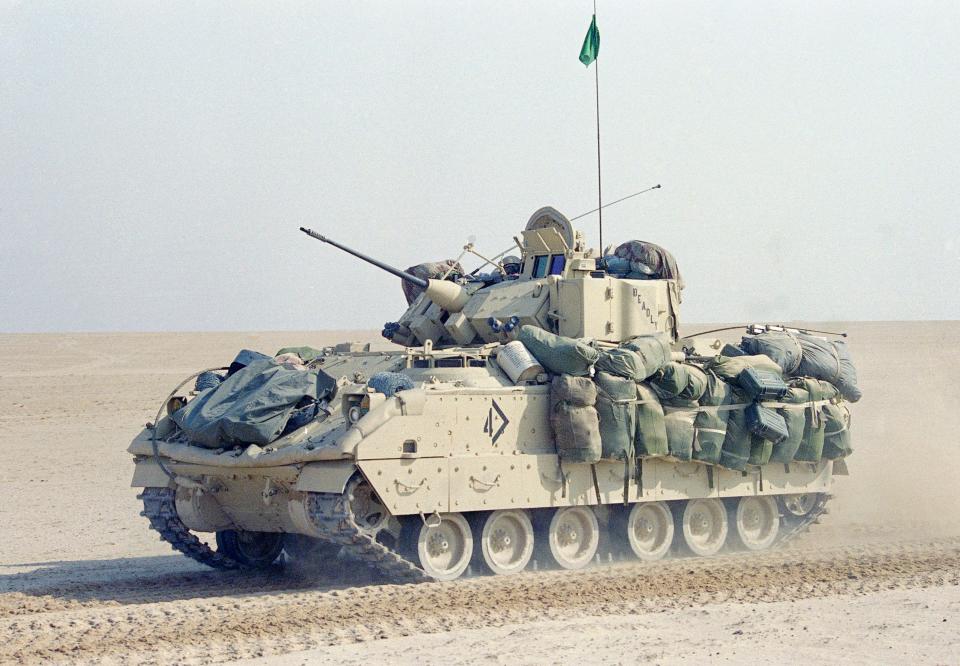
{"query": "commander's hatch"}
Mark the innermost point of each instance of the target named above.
(549, 244)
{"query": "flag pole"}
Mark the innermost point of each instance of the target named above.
(596, 79)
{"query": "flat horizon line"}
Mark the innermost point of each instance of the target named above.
(375, 331)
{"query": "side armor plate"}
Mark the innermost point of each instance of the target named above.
(326, 477)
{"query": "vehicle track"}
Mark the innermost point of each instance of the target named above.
(215, 616)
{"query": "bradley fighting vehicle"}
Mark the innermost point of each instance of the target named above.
(462, 467)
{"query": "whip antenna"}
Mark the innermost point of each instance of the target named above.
(612, 203)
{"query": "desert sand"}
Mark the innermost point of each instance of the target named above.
(82, 579)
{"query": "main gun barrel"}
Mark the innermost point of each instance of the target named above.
(448, 295)
(403, 275)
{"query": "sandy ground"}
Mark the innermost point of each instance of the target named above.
(840, 629)
(82, 578)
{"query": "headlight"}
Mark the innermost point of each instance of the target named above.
(354, 414)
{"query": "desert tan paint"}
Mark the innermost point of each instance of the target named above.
(466, 439)
(450, 455)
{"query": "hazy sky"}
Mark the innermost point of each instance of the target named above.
(156, 159)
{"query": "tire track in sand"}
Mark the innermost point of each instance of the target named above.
(131, 627)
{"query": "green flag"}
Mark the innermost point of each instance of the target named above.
(591, 43)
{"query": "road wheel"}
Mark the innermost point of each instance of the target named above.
(256, 550)
(798, 505)
(573, 536)
(506, 541)
(704, 526)
(650, 530)
(442, 545)
(756, 522)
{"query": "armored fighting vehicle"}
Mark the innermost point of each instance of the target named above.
(457, 464)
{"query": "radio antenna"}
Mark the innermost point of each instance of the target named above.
(629, 196)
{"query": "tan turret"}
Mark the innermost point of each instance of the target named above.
(560, 288)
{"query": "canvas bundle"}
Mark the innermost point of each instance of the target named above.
(710, 426)
(615, 407)
(558, 354)
(574, 418)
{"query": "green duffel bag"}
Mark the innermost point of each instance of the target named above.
(653, 350)
(730, 367)
(736, 445)
(578, 391)
(811, 446)
(615, 406)
(679, 381)
(651, 432)
(622, 363)
(760, 450)
(670, 380)
(576, 431)
(696, 384)
(678, 420)
(836, 435)
(574, 419)
(711, 423)
(558, 354)
(794, 413)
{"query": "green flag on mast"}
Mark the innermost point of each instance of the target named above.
(591, 43)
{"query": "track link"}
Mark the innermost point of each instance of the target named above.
(332, 515)
(159, 507)
(797, 525)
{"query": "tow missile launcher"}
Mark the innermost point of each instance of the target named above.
(461, 467)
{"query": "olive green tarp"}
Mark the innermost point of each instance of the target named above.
(729, 368)
(576, 425)
(622, 363)
(578, 391)
(653, 350)
(811, 446)
(679, 386)
(649, 261)
(711, 423)
(793, 412)
(306, 353)
(829, 360)
(684, 412)
(781, 347)
(678, 419)
(559, 355)
(836, 435)
(251, 406)
(736, 444)
(679, 381)
(651, 433)
(616, 397)
(760, 450)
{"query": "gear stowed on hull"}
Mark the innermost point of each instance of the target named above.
(457, 464)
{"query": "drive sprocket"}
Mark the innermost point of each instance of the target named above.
(334, 516)
(159, 507)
